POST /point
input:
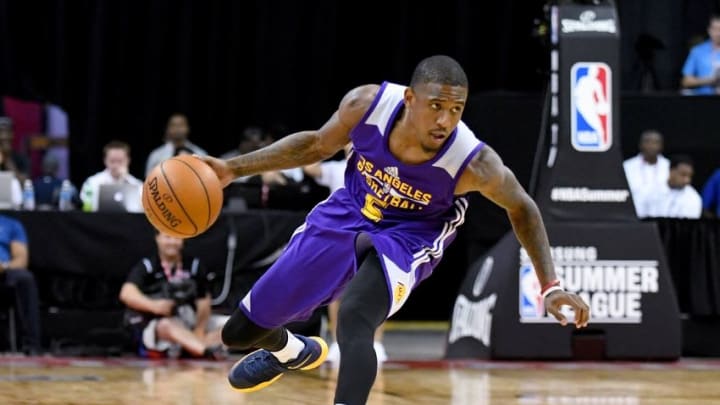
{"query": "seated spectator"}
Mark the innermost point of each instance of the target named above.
(253, 138)
(675, 198)
(14, 273)
(16, 162)
(116, 156)
(649, 168)
(169, 304)
(701, 72)
(711, 196)
(330, 173)
(176, 137)
(15, 198)
(47, 187)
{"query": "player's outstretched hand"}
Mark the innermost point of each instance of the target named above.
(557, 299)
(221, 169)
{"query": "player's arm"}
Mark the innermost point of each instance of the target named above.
(487, 174)
(301, 148)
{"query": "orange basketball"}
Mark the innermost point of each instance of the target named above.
(182, 196)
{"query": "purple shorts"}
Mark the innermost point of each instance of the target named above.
(320, 260)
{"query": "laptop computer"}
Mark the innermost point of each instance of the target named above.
(120, 198)
(6, 190)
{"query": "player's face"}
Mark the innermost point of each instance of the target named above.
(168, 245)
(435, 110)
(117, 161)
(680, 175)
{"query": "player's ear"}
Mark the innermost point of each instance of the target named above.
(408, 96)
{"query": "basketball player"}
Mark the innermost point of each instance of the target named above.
(384, 232)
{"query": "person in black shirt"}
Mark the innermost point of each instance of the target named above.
(169, 304)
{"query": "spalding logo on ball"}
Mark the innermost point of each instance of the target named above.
(182, 196)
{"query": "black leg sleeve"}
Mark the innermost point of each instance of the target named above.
(241, 333)
(363, 307)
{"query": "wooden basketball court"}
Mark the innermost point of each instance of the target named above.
(48, 380)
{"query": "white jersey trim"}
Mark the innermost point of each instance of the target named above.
(436, 251)
(455, 155)
(391, 95)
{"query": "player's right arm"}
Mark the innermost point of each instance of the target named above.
(301, 148)
(488, 175)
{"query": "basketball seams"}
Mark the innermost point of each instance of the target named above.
(207, 194)
(146, 196)
(172, 191)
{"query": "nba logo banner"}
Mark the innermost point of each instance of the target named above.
(531, 303)
(591, 107)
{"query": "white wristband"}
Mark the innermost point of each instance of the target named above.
(551, 290)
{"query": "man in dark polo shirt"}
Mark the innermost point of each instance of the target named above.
(169, 304)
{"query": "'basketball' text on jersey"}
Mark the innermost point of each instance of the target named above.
(390, 189)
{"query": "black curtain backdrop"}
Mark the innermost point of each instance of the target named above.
(121, 67)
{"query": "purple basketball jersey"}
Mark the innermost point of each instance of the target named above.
(389, 191)
(410, 213)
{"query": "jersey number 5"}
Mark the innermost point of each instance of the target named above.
(372, 207)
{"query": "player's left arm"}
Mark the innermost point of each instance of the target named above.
(487, 174)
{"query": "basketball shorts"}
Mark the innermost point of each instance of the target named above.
(320, 260)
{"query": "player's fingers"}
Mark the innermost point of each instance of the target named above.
(559, 316)
(205, 159)
(582, 312)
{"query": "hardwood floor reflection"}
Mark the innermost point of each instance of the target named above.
(116, 381)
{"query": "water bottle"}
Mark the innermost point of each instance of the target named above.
(65, 198)
(28, 196)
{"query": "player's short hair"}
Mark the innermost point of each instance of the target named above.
(713, 17)
(440, 69)
(678, 159)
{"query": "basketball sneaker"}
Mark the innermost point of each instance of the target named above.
(260, 368)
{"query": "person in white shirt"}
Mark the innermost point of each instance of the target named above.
(116, 156)
(176, 137)
(649, 168)
(675, 198)
(14, 194)
(330, 173)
